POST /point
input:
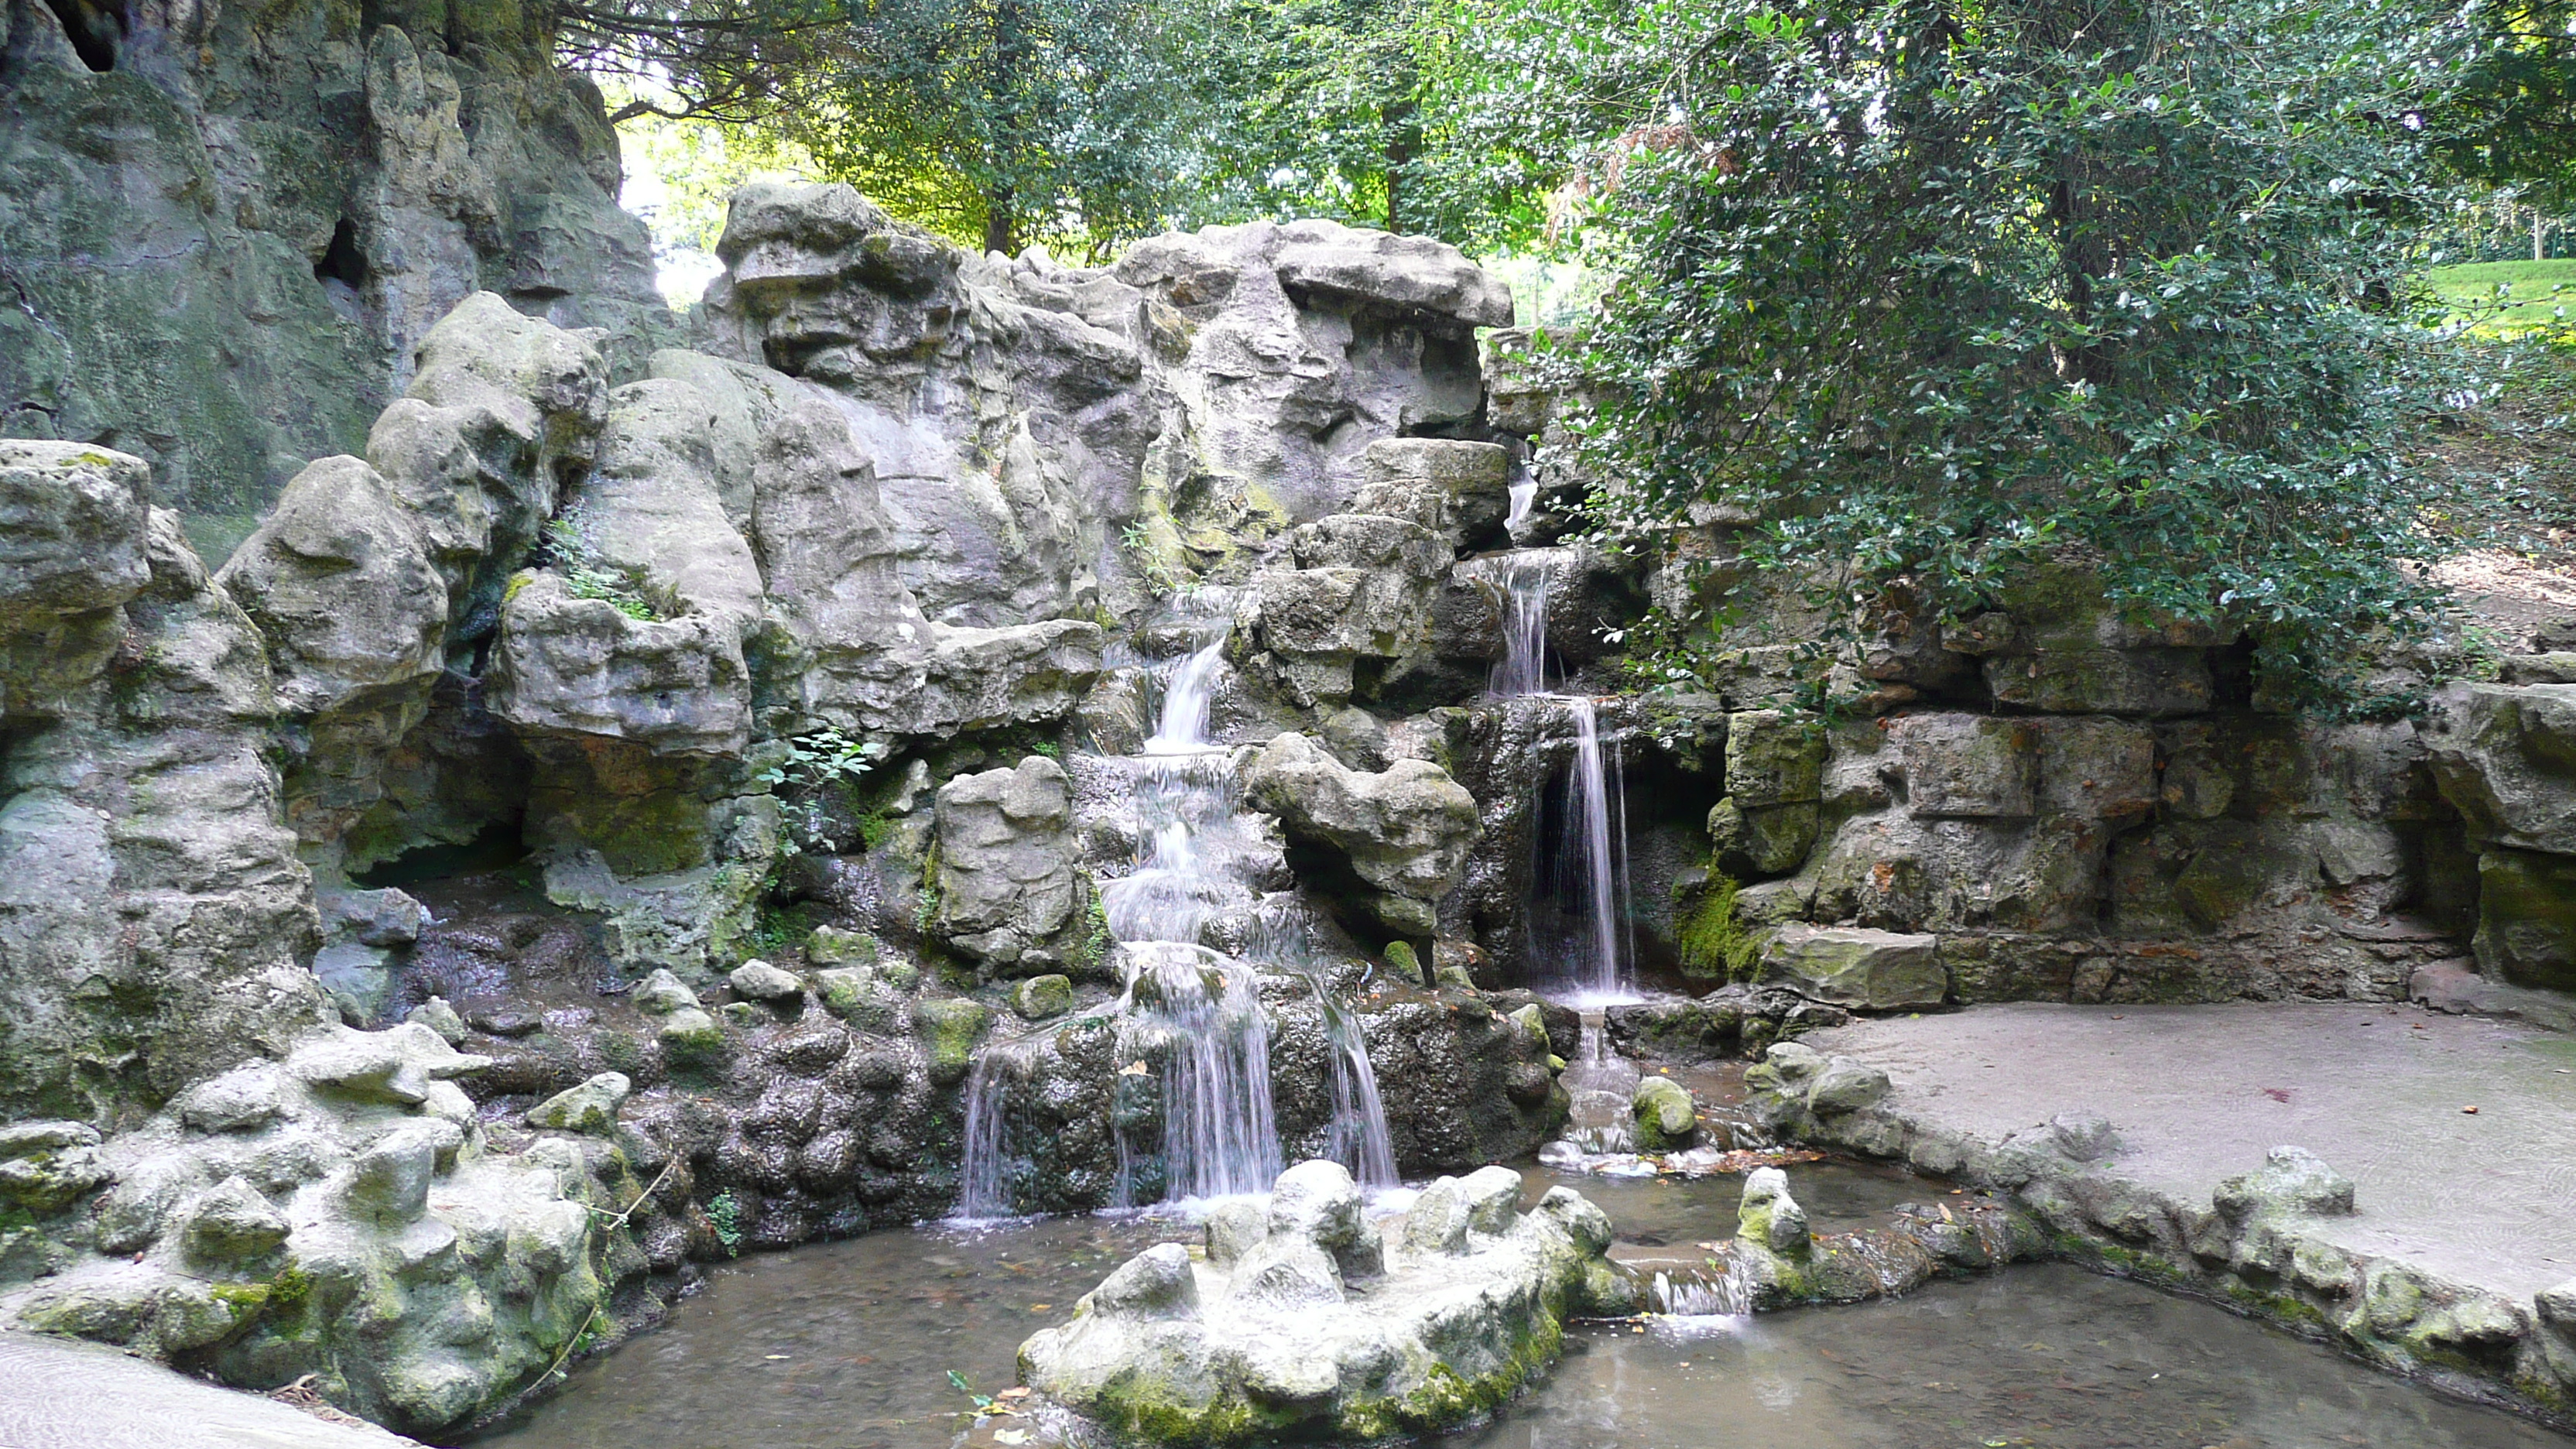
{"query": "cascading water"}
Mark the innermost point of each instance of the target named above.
(1599, 1084)
(1196, 1012)
(1586, 860)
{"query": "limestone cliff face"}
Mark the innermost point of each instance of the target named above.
(225, 229)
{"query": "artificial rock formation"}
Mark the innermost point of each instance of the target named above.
(227, 230)
(153, 914)
(1308, 1317)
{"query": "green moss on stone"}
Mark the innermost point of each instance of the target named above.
(1714, 945)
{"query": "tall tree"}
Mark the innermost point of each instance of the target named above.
(1939, 288)
(1005, 121)
(2511, 119)
(1319, 110)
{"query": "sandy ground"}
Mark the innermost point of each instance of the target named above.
(55, 1394)
(2200, 1093)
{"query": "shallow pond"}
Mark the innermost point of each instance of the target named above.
(849, 1345)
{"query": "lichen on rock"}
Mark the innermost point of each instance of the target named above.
(1314, 1321)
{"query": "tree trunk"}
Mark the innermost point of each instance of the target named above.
(1396, 120)
(1001, 225)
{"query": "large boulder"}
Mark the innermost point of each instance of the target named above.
(1849, 966)
(340, 582)
(1359, 590)
(71, 529)
(1402, 833)
(1266, 1338)
(1009, 895)
(2505, 757)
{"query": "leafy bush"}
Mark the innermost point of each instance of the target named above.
(1935, 294)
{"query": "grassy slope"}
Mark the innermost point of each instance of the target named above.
(2534, 295)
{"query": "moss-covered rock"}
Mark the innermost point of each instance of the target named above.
(1263, 1339)
(948, 1027)
(1665, 1117)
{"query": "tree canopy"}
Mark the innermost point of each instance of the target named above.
(1930, 288)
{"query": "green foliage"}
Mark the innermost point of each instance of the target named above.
(1941, 296)
(629, 589)
(959, 1382)
(1322, 109)
(778, 929)
(2511, 116)
(724, 1214)
(818, 766)
(1713, 944)
(1001, 122)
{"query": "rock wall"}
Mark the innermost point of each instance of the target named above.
(226, 228)
(2050, 800)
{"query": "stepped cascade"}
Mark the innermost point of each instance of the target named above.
(1451, 861)
(1197, 1011)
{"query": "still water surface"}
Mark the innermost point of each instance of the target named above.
(848, 1346)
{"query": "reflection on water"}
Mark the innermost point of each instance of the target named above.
(848, 1346)
(2037, 1356)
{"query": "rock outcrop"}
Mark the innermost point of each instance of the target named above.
(228, 230)
(342, 1214)
(153, 914)
(1309, 1317)
(1401, 834)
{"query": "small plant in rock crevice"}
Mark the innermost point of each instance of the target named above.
(724, 1214)
(818, 765)
(1712, 942)
(626, 588)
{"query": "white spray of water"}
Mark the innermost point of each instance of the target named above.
(1589, 860)
(1195, 1012)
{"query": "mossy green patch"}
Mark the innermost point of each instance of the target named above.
(1713, 944)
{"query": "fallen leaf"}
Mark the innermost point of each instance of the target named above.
(1010, 1436)
(1040, 1307)
(775, 1357)
(1132, 1069)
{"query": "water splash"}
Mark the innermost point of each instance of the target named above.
(1200, 1015)
(1190, 1021)
(1702, 1293)
(1600, 1084)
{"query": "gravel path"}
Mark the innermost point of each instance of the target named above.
(56, 1394)
(2199, 1093)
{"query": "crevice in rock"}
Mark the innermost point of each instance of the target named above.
(96, 32)
(497, 846)
(341, 262)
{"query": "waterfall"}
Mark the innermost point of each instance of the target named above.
(1523, 670)
(1202, 1015)
(1190, 1021)
(983, 1191)
(1357, 1137)
(1588, 861)
(1594, 856)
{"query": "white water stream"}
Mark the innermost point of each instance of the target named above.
(1585, 861)
(1196, 1011)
